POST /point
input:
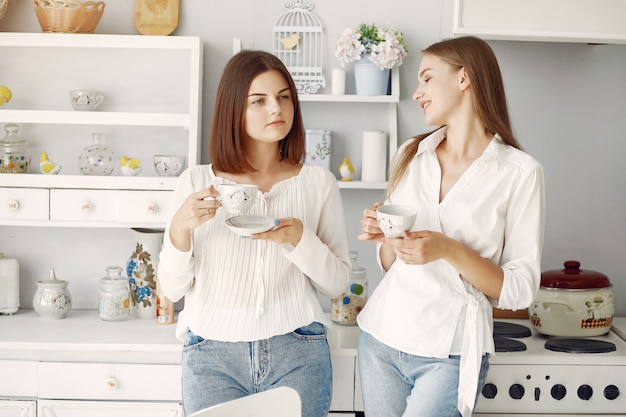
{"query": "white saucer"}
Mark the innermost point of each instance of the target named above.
(247, 225)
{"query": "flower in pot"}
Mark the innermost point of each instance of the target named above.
(374, 52)
(384, 47)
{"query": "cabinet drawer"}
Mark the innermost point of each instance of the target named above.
(24, 203)
(25, 385)
(83, 205)
(143, 206)
(109, 381)
(55, 408)
(19, 408)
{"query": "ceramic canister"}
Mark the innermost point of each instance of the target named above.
(52, 299)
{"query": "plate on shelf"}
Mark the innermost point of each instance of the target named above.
(247, 225)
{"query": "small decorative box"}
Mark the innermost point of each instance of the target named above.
(318, 150)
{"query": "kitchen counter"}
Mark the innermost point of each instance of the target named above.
(83, 337)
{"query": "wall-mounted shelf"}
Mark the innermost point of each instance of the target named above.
(140, 116)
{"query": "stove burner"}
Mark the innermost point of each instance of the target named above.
(504, 344)
(504, 329)
(580, 346)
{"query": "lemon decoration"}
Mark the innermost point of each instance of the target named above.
(130, 166)
(5, 95)
(47, 166)
(133, 163)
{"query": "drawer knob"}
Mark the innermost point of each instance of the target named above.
(86, 207)
(111, 383)
(14, 205)
(152, 208)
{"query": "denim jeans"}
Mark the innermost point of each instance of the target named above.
(215, 372)
(397, 384)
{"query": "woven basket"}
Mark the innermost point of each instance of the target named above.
(68, 16)
(3, 7)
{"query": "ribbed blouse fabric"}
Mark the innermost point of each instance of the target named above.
(242, 289)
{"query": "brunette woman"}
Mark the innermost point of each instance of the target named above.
(252, 320)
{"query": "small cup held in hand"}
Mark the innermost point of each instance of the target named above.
(237, 198)
(85, 100)
(394, 219)
(168, 165)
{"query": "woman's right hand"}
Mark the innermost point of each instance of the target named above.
(197, 209)
(370, 230)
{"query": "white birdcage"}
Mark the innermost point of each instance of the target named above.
(298, 42)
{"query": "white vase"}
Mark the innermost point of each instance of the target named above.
(141, 270)
(370, 81)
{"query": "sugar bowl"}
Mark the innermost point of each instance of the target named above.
(52, 299)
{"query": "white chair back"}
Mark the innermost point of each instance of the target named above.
(276, 402)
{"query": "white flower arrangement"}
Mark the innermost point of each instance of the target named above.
(385, 47)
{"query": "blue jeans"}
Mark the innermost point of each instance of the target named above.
(215, 372)
(397, 384)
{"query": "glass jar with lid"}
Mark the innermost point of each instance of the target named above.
(14, 152)
(349, 304)
(114, 297)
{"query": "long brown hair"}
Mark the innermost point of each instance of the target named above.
(227, 149)
(481, 66)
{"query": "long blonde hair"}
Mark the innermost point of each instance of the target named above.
(481, 66)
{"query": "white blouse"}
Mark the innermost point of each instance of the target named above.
(243, 289)
(497, 209)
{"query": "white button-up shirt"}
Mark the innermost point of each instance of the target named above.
(496, 208)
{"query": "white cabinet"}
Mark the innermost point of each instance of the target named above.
(18, 388)
(47, 408)
(341, 102)
(68, 389)
(152, 101)
(584, 21)
(18, 408)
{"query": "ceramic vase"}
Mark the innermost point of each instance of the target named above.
(141, 270)
(369, 80)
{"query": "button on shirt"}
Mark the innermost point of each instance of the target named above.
(496, 208)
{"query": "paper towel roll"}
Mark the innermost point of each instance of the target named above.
(374, 159)
(339, 81)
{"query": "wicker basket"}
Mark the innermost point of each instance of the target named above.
(3, 7)
(68, 16)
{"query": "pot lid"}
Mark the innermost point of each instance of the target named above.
(574, 278)
(53, 280)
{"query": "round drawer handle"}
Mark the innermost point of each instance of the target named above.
(86, 207)
(111, 383)
(152, 208)
(14, 205)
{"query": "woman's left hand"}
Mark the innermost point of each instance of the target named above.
(287, 230)
(420, 247)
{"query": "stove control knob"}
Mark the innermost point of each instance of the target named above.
(490, 390)
(516, 391)
(611, 392)
(558, 392)
(585, 392)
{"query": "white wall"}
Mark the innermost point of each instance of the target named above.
(566, 101)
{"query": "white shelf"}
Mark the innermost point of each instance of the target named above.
(96, 118)
(390, 101)
(140, 116)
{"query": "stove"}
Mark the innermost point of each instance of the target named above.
(526, 378)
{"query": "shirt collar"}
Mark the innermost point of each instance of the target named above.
(430, 143)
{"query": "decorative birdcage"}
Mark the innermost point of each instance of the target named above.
(298, 42)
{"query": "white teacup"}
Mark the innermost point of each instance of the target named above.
(168, 165)
(394, 219)
(237, 198)
(85, 100)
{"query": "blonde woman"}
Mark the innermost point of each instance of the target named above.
(476, 243)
